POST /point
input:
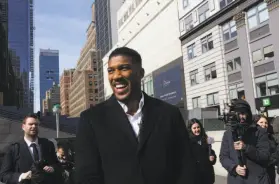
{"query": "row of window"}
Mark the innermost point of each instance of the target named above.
(206, 45)
(209, 73)
(212, 99)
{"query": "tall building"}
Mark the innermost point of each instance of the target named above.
(48, 70)
(229, 50)
(20, 26)
(52, 98)
(65, 81)
(151, 28)
(106, 33)
(84, 88)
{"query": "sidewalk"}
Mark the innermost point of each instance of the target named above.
(220, 179)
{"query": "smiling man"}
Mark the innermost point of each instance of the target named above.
(132, 138)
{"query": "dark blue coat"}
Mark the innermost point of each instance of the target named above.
(256, 156)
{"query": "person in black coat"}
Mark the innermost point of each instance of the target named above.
(132, 138)
(30, 160)
(205, 157)
(263, 122)
(253, 147)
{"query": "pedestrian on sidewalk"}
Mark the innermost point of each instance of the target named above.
(132, 138)
(263, 122)
(205, 157)
(245, 156)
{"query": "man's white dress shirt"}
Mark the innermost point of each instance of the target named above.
(136, 119)
(30, 148)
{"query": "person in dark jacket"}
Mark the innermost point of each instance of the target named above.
(204, 155)
(253, 148)
(263, 122)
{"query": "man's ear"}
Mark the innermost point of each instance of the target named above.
(142, 73)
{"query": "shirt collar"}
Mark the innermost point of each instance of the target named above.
(29, 142)
(141, 104)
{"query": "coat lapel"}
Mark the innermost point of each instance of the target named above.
(148, 121)
(25, 155)
(118, 117)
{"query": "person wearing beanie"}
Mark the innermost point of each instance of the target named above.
(253, 146)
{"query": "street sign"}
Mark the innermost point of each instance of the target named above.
(266, 102)
(56, 108)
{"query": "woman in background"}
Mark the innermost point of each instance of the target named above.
(204, 155)
(263, 122)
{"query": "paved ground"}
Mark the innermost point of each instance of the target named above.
(220, 180)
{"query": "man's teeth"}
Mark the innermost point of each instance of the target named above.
(120, 86)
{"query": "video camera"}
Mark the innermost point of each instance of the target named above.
(231, 117)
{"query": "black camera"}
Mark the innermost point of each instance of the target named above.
(231, 114)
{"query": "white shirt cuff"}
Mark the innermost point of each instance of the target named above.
(19, 179)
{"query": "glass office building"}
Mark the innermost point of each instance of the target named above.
(48, 70)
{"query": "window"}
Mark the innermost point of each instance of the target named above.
(185, 3)
(90, 90)
(196, 102)
(203, 12)
(188, 22)
(229, 30)
(89, 76)
(95, 69)
(90, 83)
(257, 56)
(234, 64)
(268, 52)
(96, 91)
(213, 99)
(257, 15)
(194, 77)
(190, 51)
(207, 43)
(224, 3)
(148, 86)
(210, 72)
(267, 85)
(236, 91)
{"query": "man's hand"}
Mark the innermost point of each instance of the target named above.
(48, 169)
(241, 170)
(239, 145)
(211, 158)
(26, 176)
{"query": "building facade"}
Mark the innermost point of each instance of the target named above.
(52, 98)
(106, 33)
(229, 53)
(48, 70)
(20, 26)
(10, 83)
(65, 81)
(84, 88)
(151, 28)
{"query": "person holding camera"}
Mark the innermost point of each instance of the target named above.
(263, 122)
(245, 148)
(205, 157)
(32, 159)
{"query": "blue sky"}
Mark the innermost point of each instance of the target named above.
(61, 25)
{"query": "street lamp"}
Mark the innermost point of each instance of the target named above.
(56, 110)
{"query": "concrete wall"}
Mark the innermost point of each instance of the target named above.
(145, 31)
(11, 131)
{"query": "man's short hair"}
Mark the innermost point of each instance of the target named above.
(31, 115)
(128, 52)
